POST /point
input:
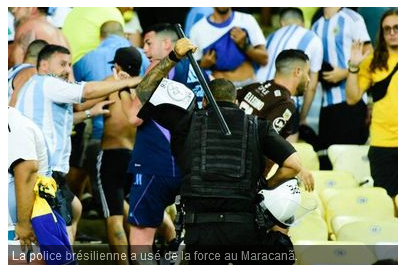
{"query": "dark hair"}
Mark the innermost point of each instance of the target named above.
(223, 90)
(164, 28)
(386, 262)
(380, 56)
(49, 50)
(287, 57)
(43, 10)
(291, 12)
(34, 48)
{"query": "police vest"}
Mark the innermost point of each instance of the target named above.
(219, 166)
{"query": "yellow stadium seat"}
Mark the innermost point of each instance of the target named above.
(339, 221)
(311, 227)
(370, 232)
(358, 202)
(352, 159)
(307, 155)
(308, 198)
(334, 253)
(324, 179)
(396, 205)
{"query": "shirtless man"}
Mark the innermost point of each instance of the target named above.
(31, 24)
(228, 43)
(19, 74)
(117, 143)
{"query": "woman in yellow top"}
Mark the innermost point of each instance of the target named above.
(364, 71)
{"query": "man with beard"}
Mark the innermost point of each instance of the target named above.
(271, 100)
(229, 44)
(47, 98)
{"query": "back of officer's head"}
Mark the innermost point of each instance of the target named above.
(223, 90)
(287, 60)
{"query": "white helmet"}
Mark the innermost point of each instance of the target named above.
(281, 203)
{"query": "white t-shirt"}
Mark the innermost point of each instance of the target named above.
(25, 142)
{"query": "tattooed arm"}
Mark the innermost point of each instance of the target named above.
(149, 83)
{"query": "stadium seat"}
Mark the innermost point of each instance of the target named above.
(333, 252)
(339, 221)
(370, 232)
(373, 202)
(324, 179)
(308, 198)
(352, 159)
(396, 205)
(307, 155)
(311, 227)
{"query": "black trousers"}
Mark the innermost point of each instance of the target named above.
(342, 124)
(220, 243)
(384, 168)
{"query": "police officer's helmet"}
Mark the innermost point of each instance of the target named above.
(280, 203)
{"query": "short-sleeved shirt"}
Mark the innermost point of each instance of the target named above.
(291, 37)
(269, 101)
(25, 142)
(207, 35)
(337, 34)
(48, 101)
(384, 121)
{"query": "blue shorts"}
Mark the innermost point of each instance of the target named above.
(149, 196)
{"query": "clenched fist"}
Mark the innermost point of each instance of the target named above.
(182, 47)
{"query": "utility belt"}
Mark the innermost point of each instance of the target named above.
(224, 217)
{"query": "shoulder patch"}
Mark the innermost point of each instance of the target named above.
(287, 114)
(278, 124)
(277, 93)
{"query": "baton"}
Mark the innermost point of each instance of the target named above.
(222, 123)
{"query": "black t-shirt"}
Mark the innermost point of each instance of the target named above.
(269, 101)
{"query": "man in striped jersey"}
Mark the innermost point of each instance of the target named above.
(47, 99)
(293, 35)
(339, 123)
(19, 74)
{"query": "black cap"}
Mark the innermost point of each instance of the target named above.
(129, 59)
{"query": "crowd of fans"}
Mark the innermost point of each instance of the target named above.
(72, 72)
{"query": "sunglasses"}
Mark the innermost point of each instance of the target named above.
(388, 29)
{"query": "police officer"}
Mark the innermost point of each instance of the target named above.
(220, 172)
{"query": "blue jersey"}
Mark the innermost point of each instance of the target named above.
(152, 154)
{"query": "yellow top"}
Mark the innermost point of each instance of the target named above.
(82, 28)
(384, 122)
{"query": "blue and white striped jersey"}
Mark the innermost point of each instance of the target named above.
(48, 101)
(12, 73)
(291, 37)
(337, 34)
